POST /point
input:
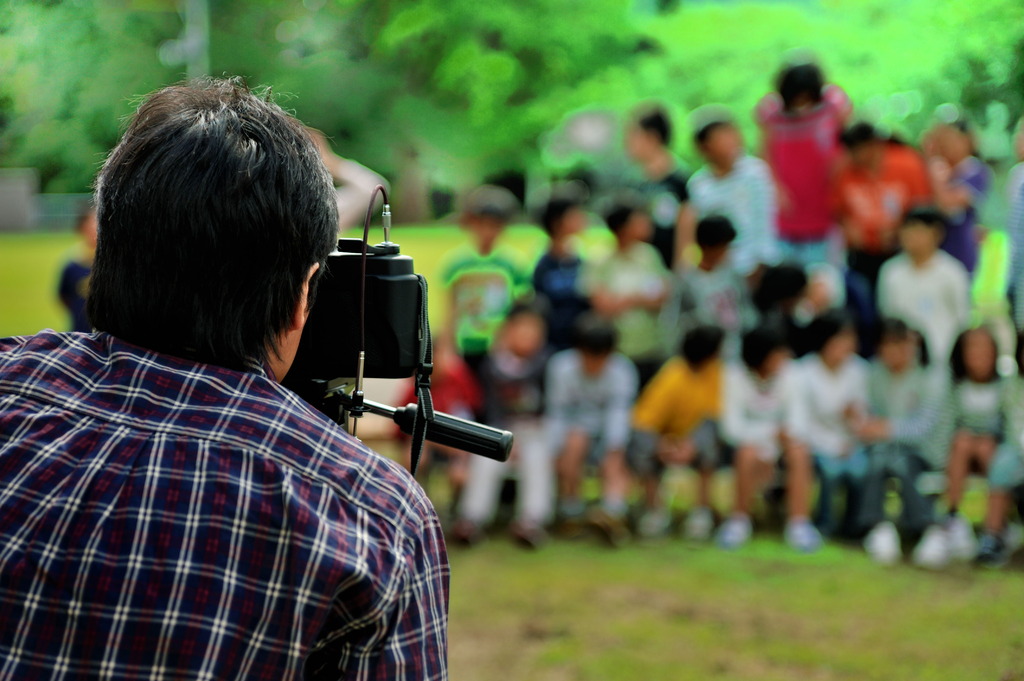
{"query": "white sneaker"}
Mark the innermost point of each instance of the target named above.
(883, 544)
(803, 536)
(653, 523)
(699, 524)
(734, 532)
(963, 545)
(932, 552)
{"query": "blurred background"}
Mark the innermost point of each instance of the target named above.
(439, 96)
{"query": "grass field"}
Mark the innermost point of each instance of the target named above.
(575, 611)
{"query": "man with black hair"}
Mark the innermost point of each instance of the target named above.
(167, 509)
(648, 140)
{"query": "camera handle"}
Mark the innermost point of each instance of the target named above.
(443, 429)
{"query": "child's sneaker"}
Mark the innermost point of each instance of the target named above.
(653, 523)
(803, 536)
(612, 528)
(529, 535)
(734, 532)
(883, 544)
(962, 543)
(467, 533)
(932, 552)
(992, 551)
(699, 524)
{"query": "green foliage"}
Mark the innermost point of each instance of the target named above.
(462, 89)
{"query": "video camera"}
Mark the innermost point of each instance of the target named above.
(369, 319)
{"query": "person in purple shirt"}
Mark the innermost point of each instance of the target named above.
(167, 508)
(960, 182)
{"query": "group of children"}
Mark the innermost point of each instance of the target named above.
(725, 329)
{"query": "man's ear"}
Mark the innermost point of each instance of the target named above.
(302, 307)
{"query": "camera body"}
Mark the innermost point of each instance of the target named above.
(394, 311)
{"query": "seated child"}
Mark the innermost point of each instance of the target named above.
(513, 382)
(675, 422)
(973, 411)
(713, 292)
(905, 437)
(761, 419)
(833, 387)
(590, 389)
(1006, 474)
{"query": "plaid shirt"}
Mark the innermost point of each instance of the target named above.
(162, 519)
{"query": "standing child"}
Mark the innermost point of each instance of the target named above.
(905, 437)
(513, 382)
(590, 391)
(557, 274)
(74, 277)
(1006, 474)
(739, 187)
(974, 414)
(675, 422)
(926, 287)
(629, 287)
(761, 419)
(834, 389)
(713, 292)
(484, 278)
(800, 126)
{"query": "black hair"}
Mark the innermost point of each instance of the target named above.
(779, 283)
(1020, 352)
(535, 307)
(701, 343)
(212, 209)
(930, 216)
(761, 342)
(893, 330)
(594, 335)
(858, 134)
(655, 120)
(715, 230)
(958, 365)
(620, 213)
(827, 326)
(705, 131)
(555, 210)
(800, 79)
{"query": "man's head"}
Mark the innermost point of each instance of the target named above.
(864, 145)
(215, 211)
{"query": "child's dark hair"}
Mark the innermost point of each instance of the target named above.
(958, 365)
(655, 120)
(701, 343)
(858, 134)
(761, 342)
(715, 230)
(1020, 353)
(619, 214)
(705, 131)
(594, 335)
(800, 79)
(555, 210)
(929, 216)
(779, 283)
(527, 308)
(892, 330)
(827, 326)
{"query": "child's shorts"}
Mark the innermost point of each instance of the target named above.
(1007, 469)
(642, 452)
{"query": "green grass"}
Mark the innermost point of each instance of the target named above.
(29, 272)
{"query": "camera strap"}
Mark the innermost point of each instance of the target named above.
(425, 367)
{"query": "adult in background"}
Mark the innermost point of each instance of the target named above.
(800, 125)
(167, 509)
(647, 142)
